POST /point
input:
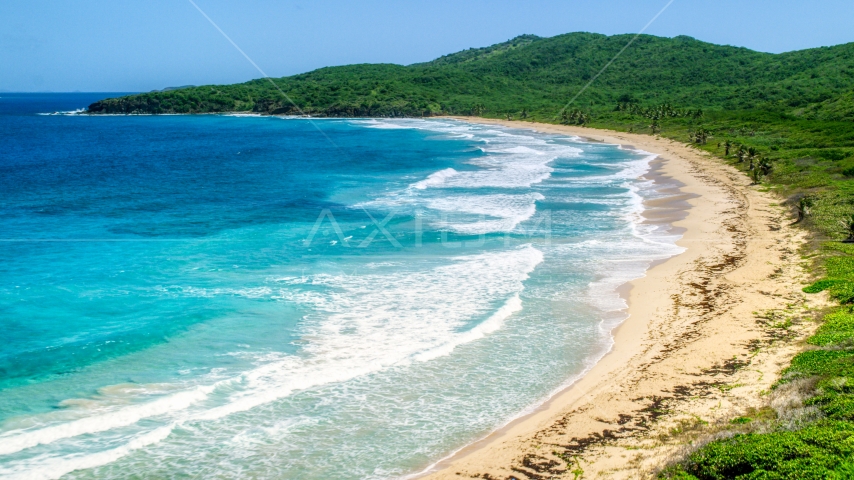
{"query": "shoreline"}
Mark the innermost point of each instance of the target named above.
(615, 401)
(678, 208)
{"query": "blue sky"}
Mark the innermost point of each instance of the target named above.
(121, 45)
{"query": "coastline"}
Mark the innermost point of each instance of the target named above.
(681, 356)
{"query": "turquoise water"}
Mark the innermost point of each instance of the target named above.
(226, 296)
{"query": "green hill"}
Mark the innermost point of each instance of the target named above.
(539, 75)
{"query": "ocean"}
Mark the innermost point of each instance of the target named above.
(265, 297)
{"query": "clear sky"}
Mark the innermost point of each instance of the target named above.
(141, 45)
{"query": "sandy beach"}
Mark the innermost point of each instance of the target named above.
(699, 347)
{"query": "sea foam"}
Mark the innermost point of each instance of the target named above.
(360, 327)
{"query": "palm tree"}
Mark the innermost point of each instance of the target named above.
(803, 207)
(766, 166)
(756, 175)
(727, 146)
(741, 153)
(752, 153)
(848, 226)
(655, 127)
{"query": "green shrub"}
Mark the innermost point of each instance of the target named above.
(821, 285)
(818, 451)
(837, 363)
(840, 267)
(838, 327)
(835, 406)
(840, 281)
(843, 292)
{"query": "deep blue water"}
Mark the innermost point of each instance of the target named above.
(269, 297)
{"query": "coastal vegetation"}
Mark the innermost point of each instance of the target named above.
(538, 76)
(817, 442)
(786, 120)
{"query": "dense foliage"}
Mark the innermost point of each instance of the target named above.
(539, 75)
(824, 450)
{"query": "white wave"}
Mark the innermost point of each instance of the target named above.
(79, 111)
(365, 323)
(362, 324)
(500, 140)
(505, 211)
(628, 171)
(384, 125)
(492, 324)
(186, 291)
(638, 168)
(435, 179)
(12, 442)
(55, 468)
(511, 160)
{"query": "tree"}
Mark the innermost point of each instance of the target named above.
(654, 126)
(803, 207)
(575, 117)
(727, 146)
(752, 153)
(741, 153)
(848, 227)
(766, 166)
(701, 136)
(756, 175)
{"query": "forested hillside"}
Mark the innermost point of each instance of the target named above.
(537, 76)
